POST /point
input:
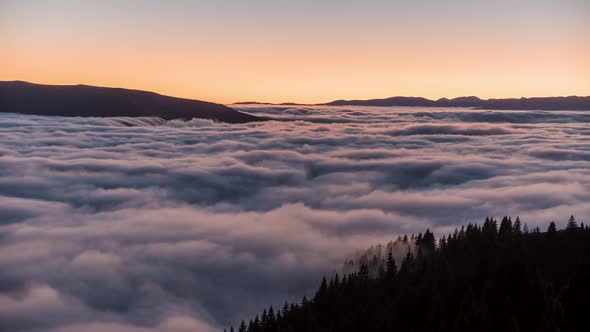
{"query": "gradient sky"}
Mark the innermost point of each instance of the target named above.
(302, 51)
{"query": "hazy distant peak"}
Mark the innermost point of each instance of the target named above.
(538, 103)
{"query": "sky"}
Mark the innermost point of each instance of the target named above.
(302, 51)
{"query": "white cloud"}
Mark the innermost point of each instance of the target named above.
(197, 225)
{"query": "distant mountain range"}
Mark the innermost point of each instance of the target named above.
(541, 103)
(85, 101)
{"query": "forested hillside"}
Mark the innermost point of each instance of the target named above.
(500, 276)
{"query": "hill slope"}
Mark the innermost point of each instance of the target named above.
(485, 278)
(85, 101)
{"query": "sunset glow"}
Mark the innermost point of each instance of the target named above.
(279, 51)
(343, 165)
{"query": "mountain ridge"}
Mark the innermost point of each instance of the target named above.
(93, 101)
(574, 103)
(533, 103)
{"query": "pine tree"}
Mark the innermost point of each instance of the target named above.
(490, 229)
(256, 327)
(285, 309)
(552, 229)
(571, 224)
(516, 227)
(391, 270)
(322, 292)
(428, 241)
(243, 327)
(505, 232)
(363, 273)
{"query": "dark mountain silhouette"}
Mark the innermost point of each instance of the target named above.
(471, 101)
(393, 101)
(84, 100)
(547, 103)
(250, 103)
(500, 276)
(572, 103)
(544, 103)
(263, 103)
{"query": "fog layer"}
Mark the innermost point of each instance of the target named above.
(144, 225)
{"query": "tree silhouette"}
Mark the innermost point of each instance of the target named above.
(552, 229)
(243, 327)
(571, 224)
(477, 279)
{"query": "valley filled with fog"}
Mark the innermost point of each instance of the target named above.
(141, 224)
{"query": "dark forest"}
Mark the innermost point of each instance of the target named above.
(500, 276)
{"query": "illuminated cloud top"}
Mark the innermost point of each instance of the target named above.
(164, 225)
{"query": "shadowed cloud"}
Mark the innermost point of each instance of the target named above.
(185, 226)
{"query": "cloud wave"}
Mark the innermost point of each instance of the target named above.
(145, 225)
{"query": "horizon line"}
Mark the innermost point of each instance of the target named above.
(294, 103)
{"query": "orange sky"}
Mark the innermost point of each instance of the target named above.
(229, 54)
